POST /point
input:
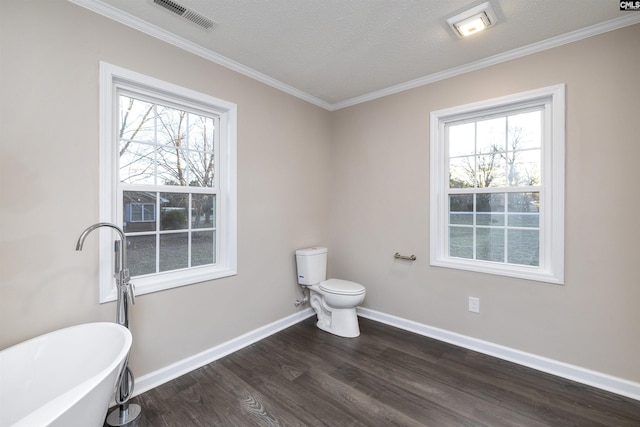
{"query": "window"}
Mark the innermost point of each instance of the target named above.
(497, 186)
(168, 179)
(141, 212)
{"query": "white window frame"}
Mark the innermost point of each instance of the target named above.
(551, 265)
(114, 79)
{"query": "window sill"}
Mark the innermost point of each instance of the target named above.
(172, 279)
(509, 270)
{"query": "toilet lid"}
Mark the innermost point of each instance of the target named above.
(343, 287)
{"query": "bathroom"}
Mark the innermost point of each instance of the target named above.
(355, 180)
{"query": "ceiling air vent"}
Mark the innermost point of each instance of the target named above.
(187, 13)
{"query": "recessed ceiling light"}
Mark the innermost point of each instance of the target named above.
(473, 20)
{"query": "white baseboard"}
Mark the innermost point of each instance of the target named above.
(575, 373)
(161, 376)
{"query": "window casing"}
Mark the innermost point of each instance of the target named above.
(168, 179)
(497, 186)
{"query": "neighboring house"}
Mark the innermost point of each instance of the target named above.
(140, 210)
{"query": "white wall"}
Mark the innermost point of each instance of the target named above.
(380, 160)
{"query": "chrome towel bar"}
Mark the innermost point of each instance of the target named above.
(408, 258)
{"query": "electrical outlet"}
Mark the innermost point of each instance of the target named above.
(474, 305)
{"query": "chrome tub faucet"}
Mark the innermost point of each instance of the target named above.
(124, 413)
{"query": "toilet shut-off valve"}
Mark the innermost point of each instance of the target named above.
(302, 301)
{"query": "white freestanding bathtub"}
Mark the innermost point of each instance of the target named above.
(63, 378)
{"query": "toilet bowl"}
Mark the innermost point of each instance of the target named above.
(333, 300)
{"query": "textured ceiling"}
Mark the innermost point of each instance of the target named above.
(334, 52)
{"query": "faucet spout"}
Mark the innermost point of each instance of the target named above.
(89, 229)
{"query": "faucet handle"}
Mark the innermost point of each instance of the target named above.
(129, 287)
(116, 263)
(131, 291)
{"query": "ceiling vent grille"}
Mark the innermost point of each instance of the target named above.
(187, 13)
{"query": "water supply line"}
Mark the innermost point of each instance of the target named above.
(125, 413)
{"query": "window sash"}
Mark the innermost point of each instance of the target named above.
(504, 221)
(154, 130)
(157, 231)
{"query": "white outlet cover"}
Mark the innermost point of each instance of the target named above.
(474, 305)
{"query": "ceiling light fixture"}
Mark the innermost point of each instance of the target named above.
(473, 20)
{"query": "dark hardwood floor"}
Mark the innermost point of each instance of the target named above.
(303, 376)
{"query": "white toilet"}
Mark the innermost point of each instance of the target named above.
(333, 300)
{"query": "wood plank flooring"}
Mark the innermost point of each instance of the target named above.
(303, 376)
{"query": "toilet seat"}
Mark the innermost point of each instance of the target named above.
(341, 287)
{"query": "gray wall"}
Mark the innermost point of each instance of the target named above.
(49, 150)
(380, 163)
(356, 180)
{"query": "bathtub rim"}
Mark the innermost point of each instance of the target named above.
(54, 408)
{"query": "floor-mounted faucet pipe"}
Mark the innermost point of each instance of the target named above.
(125, 413)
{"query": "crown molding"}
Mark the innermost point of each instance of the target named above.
(594, 30)
(161, 34)
(131, 21)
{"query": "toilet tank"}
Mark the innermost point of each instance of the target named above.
(312, 265)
